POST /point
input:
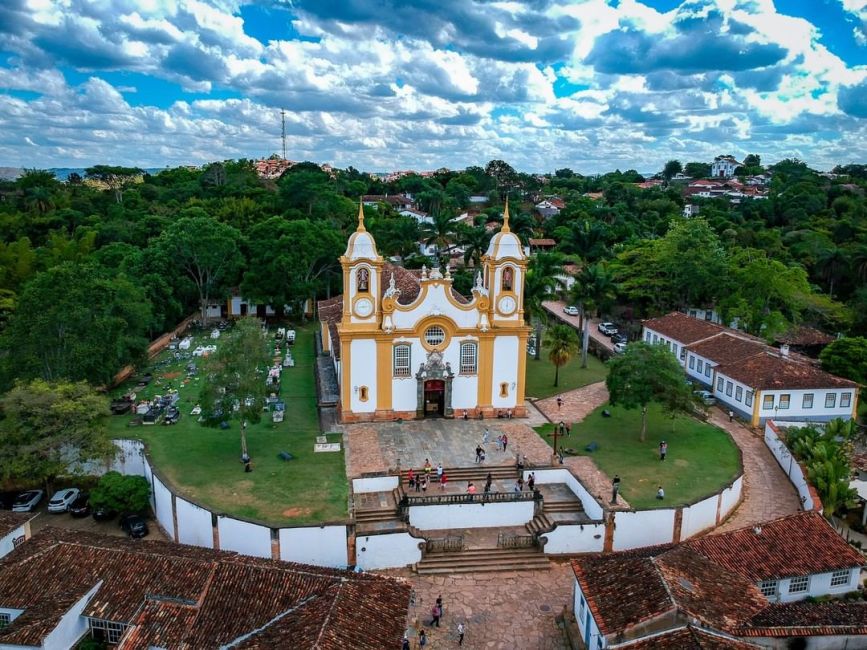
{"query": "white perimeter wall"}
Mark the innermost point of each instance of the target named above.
(244, 537)
(362, 369)
(375, 484)
(586, 538)
(505, 370)
(194, 524)
(730, 497)
(699, 516)
(163, 501)
(643, 528)
(790, 466)
(384, 551)
(591, 506)
(471, 515)
(320, 545)
(6, 544)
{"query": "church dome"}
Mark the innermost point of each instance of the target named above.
(361, 244)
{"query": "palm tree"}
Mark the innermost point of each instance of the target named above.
(832, 264)
(563, 344)
(540, 283)
(593, 290)
(475, 240)
(439, 231)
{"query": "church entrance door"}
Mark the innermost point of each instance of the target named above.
(434, 397)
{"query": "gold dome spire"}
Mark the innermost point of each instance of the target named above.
(505, 227)
(361, 227)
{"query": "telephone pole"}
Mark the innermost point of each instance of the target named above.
(283, 122)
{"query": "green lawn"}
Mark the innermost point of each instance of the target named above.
(203, 463)
(540, 374)
(701, 458)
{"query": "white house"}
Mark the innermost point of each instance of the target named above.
(724, 166)
(418, 215)
(752, 379)
(407, 345)
(14, 530)
(550, 207)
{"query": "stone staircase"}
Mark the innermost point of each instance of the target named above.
(378, 518)
(568, 506)
(476, 473)
(540, 525)
(483, 560)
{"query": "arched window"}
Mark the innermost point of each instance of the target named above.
(362, 393)
(402, 360)
(363, 280)
(469, 359)
(504, 389)
(508, 278)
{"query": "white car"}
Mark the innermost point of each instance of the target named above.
(609, 329)
(620, 348)
(27, 501)
(62, 498)
(571, 310)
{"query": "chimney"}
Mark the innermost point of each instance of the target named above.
(784, 350)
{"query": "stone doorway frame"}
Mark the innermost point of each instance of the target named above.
(434, 368)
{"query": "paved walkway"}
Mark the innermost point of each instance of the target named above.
(577, 404)
(512, 609)
(768, 493)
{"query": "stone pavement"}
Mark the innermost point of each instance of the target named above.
(576, 403)
(768, 494)
(383, 446)
(511, 609)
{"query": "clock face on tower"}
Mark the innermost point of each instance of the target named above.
(507, 305)
(363, 307)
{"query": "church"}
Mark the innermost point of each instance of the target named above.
(406, 345)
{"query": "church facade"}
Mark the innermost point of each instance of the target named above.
(406, 345)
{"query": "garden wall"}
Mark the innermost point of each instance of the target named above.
(643, 528)
(374, 484)
(471, 515)
(194, 524)
(793, 469)
(584, 538)
(386, 551)
(320, 545)
(244, 537)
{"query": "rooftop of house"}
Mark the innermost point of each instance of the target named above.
(688, 638)
(11, 521)
(543, 242)
(773, 371)
(726, 348)
(804, 618)
(174, 595)
(682, 328)
(797, 545)
(801, 335)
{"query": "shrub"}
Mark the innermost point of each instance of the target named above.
(121, 493)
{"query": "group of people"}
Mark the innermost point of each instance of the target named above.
(420, 482)
(660, 491)
(436, 616)
(502, 444)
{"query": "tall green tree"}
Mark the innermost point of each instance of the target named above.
(540, 284)
(648, 373)
(847, 357)
(562, 345)
(672, 168)
(594, 289)
(439, 232)
(46, 426)
(116, 179)
(206, 251)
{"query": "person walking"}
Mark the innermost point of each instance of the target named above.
(410, 478)
(424, 484)
(478, 453)
(440, 471)
(436, 612)
(505, 441)
(559, 402)
(427, 468)
(422, 638)
(663, 450)
(443, 481)
(531, 481)
(615, 488)
(731, 415)
(521, 483)
(418, 483)
(486, 436)
(460, 634)
(405, 645)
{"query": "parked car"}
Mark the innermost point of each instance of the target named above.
(62, 499)
(103, 514)
(620, 348)
(705, 396)
(173, 414)
(619, 338)
(608, 329)
(572, 310)
(27, 501)
(134, 526)
(81, 506)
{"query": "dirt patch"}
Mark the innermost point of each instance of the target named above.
(239, 494)
(297, 512)
(171, 375)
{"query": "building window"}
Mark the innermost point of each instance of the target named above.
(504, 389)
(682, 354)
(768, 402)
(707, 370)
(799, 585)
(106, 631)
(402, 361)
(700, 366)
(830, 400)
(840, 578)
(674, 348)
(769, 588)
(845, 400)
(739, 393)
(729, 387)
(691, 362)
(807, 402)
(655, 339)
(362, 393)
(434, 335)
(468, 358)
(5, 619)
(749, 398)
(784, 400)
(647, 336)
(719, 384)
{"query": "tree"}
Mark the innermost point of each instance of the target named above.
(76, 322)
(235, 385)
(540, 284)
(846, 357)
(648, 373)
(563, 344)
(439, 232)
(474, 240)
(503, 173)
(594, 289)
(117, 179)
(828, 462)
(121, 493)
(205, 250)
(46, 426)
(694, 261)
(672, 168)
(697, 170)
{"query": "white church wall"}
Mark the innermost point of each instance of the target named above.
(435, 301)
(505, 370)
(363, 373)
(465, 391)
(577, 538)
(404, 393)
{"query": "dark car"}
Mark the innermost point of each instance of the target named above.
(103, 514)
(7, 499)
(134, 526)
(81, 506)
(619, 338)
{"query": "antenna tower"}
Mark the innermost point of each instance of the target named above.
(283, 122)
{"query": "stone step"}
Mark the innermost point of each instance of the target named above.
(477, 474)
(367, 516)
(563, 506)
(483, 560)
(540, 524)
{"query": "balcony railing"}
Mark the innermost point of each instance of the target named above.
(507, 540)
(450, 544)
(458, 499)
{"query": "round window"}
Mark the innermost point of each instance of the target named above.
(434, 335)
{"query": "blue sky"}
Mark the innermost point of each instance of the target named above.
(389, 84)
